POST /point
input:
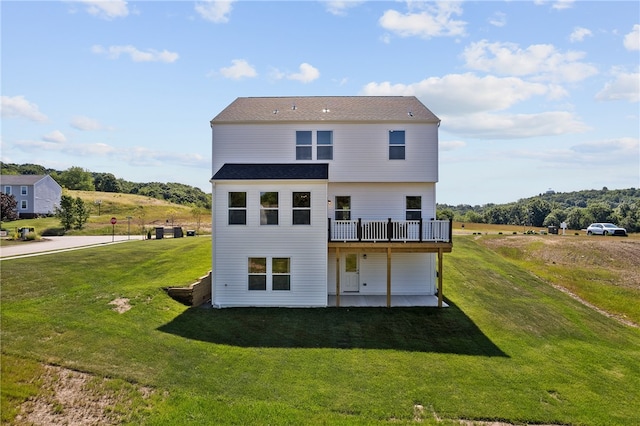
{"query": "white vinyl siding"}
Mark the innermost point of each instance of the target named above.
(380, 201)
(360, 151)
(411, 273)
(305, 246)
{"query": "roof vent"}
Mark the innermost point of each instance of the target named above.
(326, 110)
(410, 114)
(275, 111)
(294, 107)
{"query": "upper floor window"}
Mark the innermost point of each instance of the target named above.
(396, 145)
(303, 145)
(343, 208)
(414, 207)
(301, 208)
(268, 208)
(237, 208)
(325, 145)
(7, 190)
(23, 190)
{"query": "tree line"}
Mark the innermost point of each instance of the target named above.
(577, 209)
(77, 178)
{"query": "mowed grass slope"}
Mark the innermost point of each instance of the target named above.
(510, 347)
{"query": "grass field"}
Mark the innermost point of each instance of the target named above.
(145, 213)
(509, 348)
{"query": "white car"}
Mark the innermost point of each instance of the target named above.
(606, 229)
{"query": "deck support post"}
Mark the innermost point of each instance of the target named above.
(440, 278)
(337, 277)
(388, 277)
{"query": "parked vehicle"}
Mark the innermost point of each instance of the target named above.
(606, 229)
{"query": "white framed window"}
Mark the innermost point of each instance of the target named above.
(301, 203)
(396, 145)
(413, 207)
(343, 208)
(24, 190)
(303, 145)
(237, 208)
(7, 190)
(257, 270)
(281, 274)
(276, 271)
(268, 208)
(324, 141)
(23, 205)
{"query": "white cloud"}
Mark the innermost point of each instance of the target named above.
(499, 19)
(238, 70)
(56, 137)
(85, 123)
(627, 146)
(18, 106)
(632, 40)
(340, 8)
(214, 11)
(514, 126)
(306, 75)
(541, 61)
(151, 55)
(461, 94)
(431, 20)
(134, 156)
(562, 4)
(106, 9)
(451, 145)
(625, 86)
(468, 105)
(579, 34)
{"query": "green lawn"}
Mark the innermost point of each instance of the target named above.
(509, 348)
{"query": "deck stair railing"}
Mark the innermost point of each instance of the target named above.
(390, 230)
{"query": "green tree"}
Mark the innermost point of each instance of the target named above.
(106, 182)
(66, 212)
(538, 211)
(76, 178)
(445, 214)
(81, 213)
(578, 218)
(8, 206)
(601, 212)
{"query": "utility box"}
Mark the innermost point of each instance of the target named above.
(177, 232)
(159, 233)
(553, 230)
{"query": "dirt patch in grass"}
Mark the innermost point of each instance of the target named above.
(120, 305)
(618, 255)
(70, 397)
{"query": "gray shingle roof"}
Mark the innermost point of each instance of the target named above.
(272, 171)
(326, 108)
(20, 179)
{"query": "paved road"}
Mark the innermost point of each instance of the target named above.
(57, 244)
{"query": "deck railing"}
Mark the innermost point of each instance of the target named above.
(390, 230)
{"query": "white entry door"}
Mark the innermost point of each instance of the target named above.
(351, 273)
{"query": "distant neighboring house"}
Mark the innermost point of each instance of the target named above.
(36, 195)
(326, 201)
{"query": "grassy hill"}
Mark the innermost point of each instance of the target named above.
(145, 212)
(512, 347)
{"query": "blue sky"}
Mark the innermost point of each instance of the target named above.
(532, 94)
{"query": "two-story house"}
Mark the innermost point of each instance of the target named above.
(326, 201)
(36, 195)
